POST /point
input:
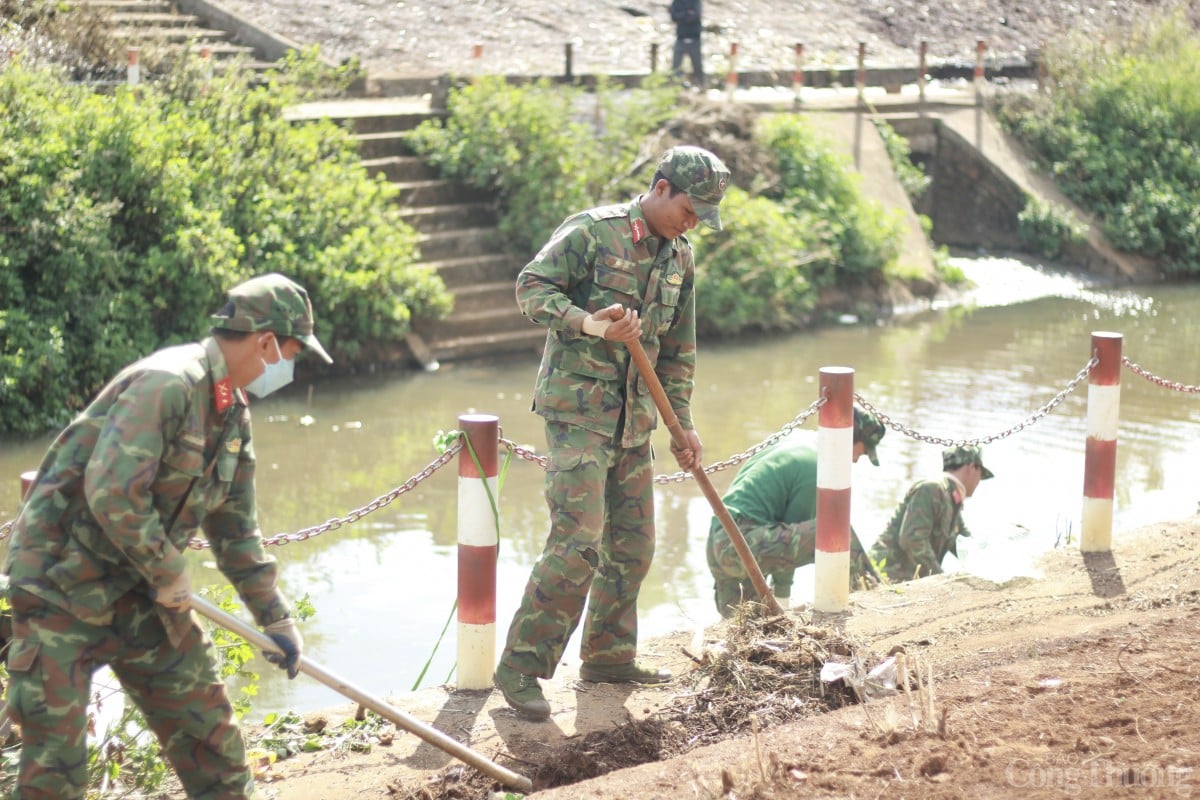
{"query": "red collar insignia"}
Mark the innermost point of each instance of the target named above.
(957, 498)
(223, 394)
(639, 230)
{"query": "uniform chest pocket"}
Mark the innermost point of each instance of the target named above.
(617, 275)
(184, 456)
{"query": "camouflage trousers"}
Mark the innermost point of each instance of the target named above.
(52, 660)
(778, 547)
(599, 550)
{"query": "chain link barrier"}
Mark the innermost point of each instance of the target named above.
(1174, 386)
(529, 455)
(331, 524)
(1020, 426)
(679, 477)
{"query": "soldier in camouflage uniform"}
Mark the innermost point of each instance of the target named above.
(607, 276)
(96, 560)
(928, 521)
(773, 500)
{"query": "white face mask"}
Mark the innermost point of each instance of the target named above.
(274, 376)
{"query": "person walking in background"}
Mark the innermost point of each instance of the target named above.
(773, 500)
(686, 16)
(96, 566)
(927, 523)
(607, 276)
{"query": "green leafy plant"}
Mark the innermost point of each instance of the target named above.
(1048, 227)
(912, 178)
(125, 216)
(1119, 131)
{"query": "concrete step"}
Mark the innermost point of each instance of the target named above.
(153, 19)
(459, 243)
(429, 219)
(485, 296)
(459, 272)
(385, 123)
(463, 325)
(435, 192)
(173, 35)
(530, 340)
(398, 169)
(381, 145)
(222, 52)
(128, 6)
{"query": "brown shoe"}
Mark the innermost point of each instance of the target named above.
(629, 672)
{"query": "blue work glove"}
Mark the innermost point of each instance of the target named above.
(286, 635)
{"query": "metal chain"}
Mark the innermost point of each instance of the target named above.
(1030, 420)
(1163, 382)
(679, 477)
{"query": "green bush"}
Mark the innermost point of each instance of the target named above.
(1120, 131)
(543, 151)
(862, 237)
(754, 275)
(1048, 227)
(125, 216)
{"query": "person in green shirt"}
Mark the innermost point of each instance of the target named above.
(927, 523)
(773, 500)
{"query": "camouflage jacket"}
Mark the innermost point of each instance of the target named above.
(594, 259)
(925, 527)
(163, 451)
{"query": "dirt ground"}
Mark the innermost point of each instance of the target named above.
(1081, 682)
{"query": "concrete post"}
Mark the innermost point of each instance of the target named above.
(569, 62)
(860, 76)
(980, 49)
(731, 77)
(478, 549)
(1100, 454)
(798, 75)
(133, 68)
(206, 63)
(653, 58)
(835, 454)
(27, 479)
(922, 68)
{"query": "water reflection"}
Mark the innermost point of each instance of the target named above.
(384, 587)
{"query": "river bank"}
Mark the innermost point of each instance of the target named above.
(1078, 679)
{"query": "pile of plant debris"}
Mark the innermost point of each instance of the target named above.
(765, 672)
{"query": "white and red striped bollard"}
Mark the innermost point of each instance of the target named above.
(921, 68)
(1100, 454)
(206, 65)
(133, 68)
(860, 75)
(27, 479)
(478, 550)
(835, 454)
(980, 49)
(798, 75)
(731, 77)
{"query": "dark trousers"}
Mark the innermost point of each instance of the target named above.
(690, 48)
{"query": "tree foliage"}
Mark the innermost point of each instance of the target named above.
(1120, 132)
(125, 216)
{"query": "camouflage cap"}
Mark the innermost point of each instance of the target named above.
(868, 430)
(963, 454)
(273, 303)
(702, 175)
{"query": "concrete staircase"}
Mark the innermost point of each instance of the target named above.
(162, 31)
(457, 233)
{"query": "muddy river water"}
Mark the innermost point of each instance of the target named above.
(384, 587)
